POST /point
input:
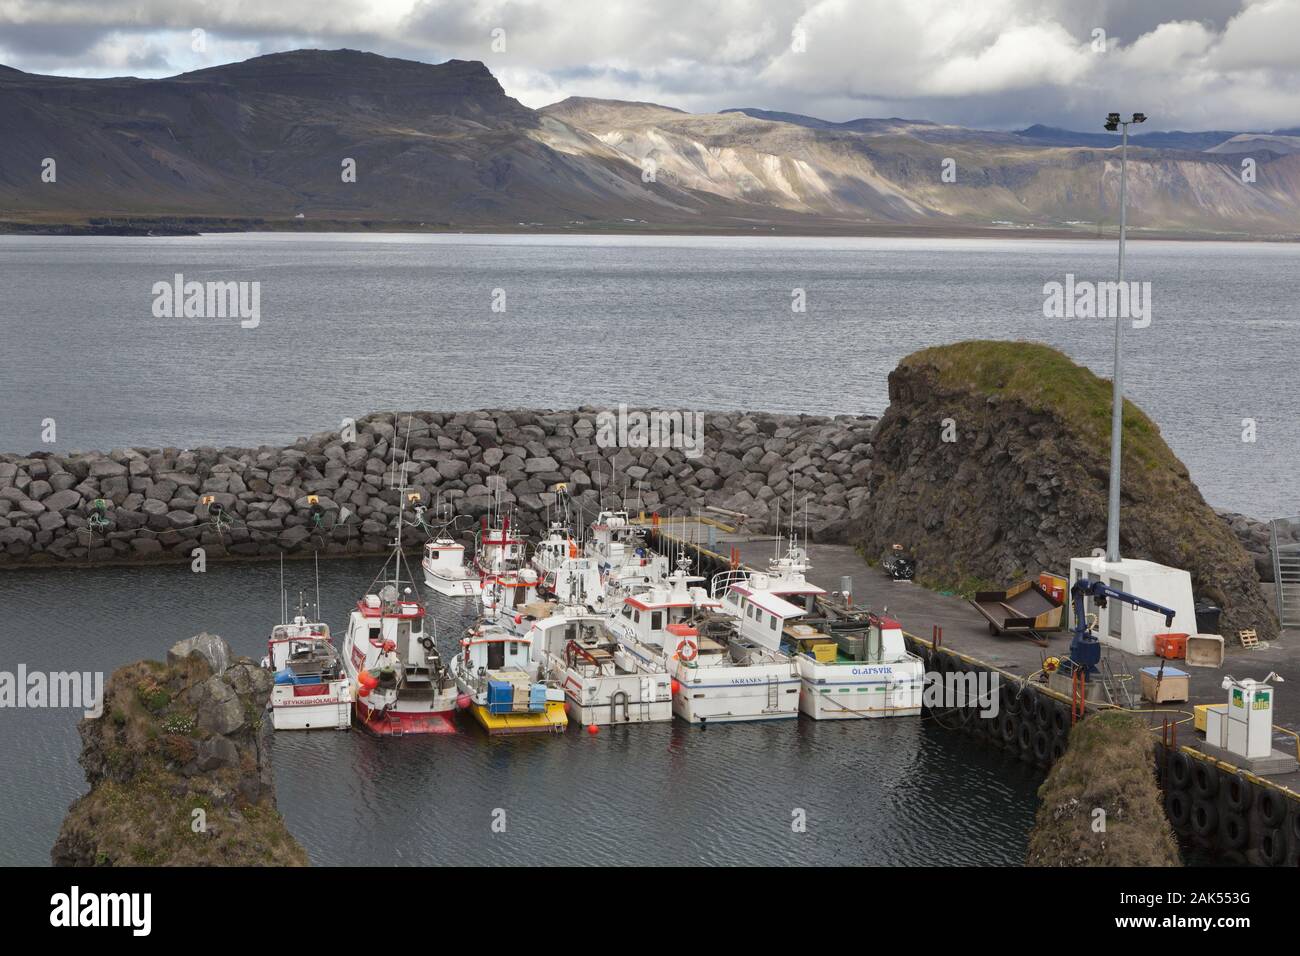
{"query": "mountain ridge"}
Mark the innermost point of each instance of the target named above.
(445, 146)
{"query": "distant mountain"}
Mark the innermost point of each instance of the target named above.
(1195, 142)
(444, 146)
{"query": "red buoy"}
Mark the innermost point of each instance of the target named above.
(593, 729)
(676, 687)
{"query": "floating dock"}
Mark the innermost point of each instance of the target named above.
(1227, 813)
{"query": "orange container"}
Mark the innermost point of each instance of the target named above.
(1172, 647)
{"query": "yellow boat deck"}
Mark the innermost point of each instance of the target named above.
(553, 720)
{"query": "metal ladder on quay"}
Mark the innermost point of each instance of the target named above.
(1116, 686)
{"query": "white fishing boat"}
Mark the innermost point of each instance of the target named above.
(603, 682)
(391, 654)
(626, 561)
(502, 683)
(720, 674)
(851, 667)
(311, 689)
(445, 570)
(553, 550)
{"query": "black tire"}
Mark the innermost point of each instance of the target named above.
(1238, 794)
(1061, 720)
(1205, 780)
(1007, 727)
(1272, 807)
(1059, 747)
(1042, 744)
(1178, 806)
(1205, 818)
(1025, 737)
(1010, 699)
(1233, 831)
(1272, 847)
(1043, 710)
(1295, 822)
(1180, 770)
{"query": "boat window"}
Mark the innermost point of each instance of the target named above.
(656, 620)
(772, 623)
(627, 611)
(496, 656)
(514, 648)
(636, 616)
(433, 555)
(416, 626)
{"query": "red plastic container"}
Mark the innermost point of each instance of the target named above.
(1172, 647)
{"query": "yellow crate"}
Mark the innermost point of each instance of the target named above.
(1200, 714)
(825, 653)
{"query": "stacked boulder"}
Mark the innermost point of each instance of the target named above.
(339, 492)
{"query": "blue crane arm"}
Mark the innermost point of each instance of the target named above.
(1103, 591)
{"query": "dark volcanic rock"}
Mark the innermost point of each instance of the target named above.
(179, 767)
(1022, 485)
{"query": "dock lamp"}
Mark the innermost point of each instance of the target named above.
(1113, 123)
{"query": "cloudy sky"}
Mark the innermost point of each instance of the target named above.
(1190, 64)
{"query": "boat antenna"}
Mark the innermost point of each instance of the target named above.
(776, 544)
(284, 607)
(316, 558)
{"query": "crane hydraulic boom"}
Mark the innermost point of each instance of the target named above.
(1085, 649)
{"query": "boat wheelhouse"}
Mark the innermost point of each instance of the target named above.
(445, 570)
(311, 689)
(502, 683)
(720, 674)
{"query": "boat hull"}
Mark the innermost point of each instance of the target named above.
(312, 707)
(857, 691)
(717, 696)
(403, 723)
(552, 719)
(453, 587)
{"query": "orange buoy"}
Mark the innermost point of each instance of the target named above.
(676, 687)
(593, 729)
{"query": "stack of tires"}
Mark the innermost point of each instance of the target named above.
(1033, 725)
(1243, 821)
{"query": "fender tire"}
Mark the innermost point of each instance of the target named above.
(1205, 780)
(1238, 794)
(1233, 830)
(1272, 807)
(1180, 770)
(1272, 847)
(1205, 818)
(1178, 806)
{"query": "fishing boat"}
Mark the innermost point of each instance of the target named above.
(850, 665)
(554, 549)
(445, 571)
(311, 689)
(402, 685)
(603, 682)
(720, 674)
(626, 561)
(501, 683)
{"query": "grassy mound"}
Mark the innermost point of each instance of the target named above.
(1101, 806)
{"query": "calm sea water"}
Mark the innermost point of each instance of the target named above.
(874, 792)
(351, 324)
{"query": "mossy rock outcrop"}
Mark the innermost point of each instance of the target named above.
(1100, 803)
(179, 767)
(992, 464)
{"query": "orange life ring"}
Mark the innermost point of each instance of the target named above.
(687, 650)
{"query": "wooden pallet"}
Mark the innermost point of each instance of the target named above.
(1248, 638)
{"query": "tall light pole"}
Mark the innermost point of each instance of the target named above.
(1113, 122)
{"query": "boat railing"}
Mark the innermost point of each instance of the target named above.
(723, 581)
